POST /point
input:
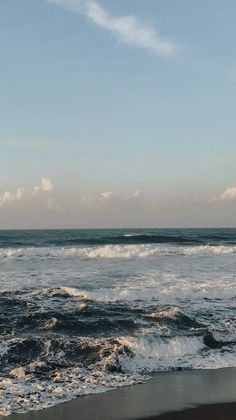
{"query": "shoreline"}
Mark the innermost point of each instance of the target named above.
(221, 411)
(168, 395)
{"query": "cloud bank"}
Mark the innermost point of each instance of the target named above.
(228, 194)
(42, 206)
(43, 196)
(10, 197)
(45, 186)
(108, 198)
(40, 195)
(126, 29)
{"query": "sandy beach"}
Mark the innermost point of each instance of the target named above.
(198, 394)
(206, 412)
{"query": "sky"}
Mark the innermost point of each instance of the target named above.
(117, 113)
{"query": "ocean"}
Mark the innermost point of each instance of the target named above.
(87, 311)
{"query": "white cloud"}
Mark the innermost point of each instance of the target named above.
(104, 196)
(138, 194)
(228, 194)
(10, 197)
(94, 201)
(127, 29)
(41, 195)
(46, 186)
(20, 193)
(52, 204)
(108, 198)
(87, 201)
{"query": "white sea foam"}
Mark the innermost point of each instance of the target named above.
(207, 249)
(60, 291)
(164, 289)
(153, 354)
(114, 251)
(131, 235)
(22, 394)
(149, 354)
(145, 251)
(164, 314)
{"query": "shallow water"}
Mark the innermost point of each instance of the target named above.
(85, 311)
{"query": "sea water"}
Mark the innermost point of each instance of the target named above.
(87, 311)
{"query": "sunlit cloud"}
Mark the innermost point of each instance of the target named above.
(228, 194)
(108, 198)
(52, 204)
(45, 186)
(138, 194)
(40, 195)
(10, 197)
(87, 201)
(126, 29)
(104, 196)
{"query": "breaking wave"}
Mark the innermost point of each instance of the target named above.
(113, 251)
(51, 347)
(40, 372)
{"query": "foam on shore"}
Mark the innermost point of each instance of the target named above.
(165, 393)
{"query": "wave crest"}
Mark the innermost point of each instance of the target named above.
(114, 251)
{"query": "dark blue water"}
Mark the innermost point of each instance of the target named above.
(73, 237)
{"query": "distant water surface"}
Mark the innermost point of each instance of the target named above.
(86, 311)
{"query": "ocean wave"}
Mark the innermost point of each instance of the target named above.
(149, 238)
(61, 291)
(67, 342)
(109, 354)
(95, 237)
(41, 372)
(145, 251)
(163, 290)
(113, 252)
(72, 311)
(176, 318)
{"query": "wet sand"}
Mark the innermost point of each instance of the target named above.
(168, 396)
(206, 412)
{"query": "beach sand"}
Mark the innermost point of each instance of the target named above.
(206, 412)
(168, 396)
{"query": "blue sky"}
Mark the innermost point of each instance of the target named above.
(118, 97)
